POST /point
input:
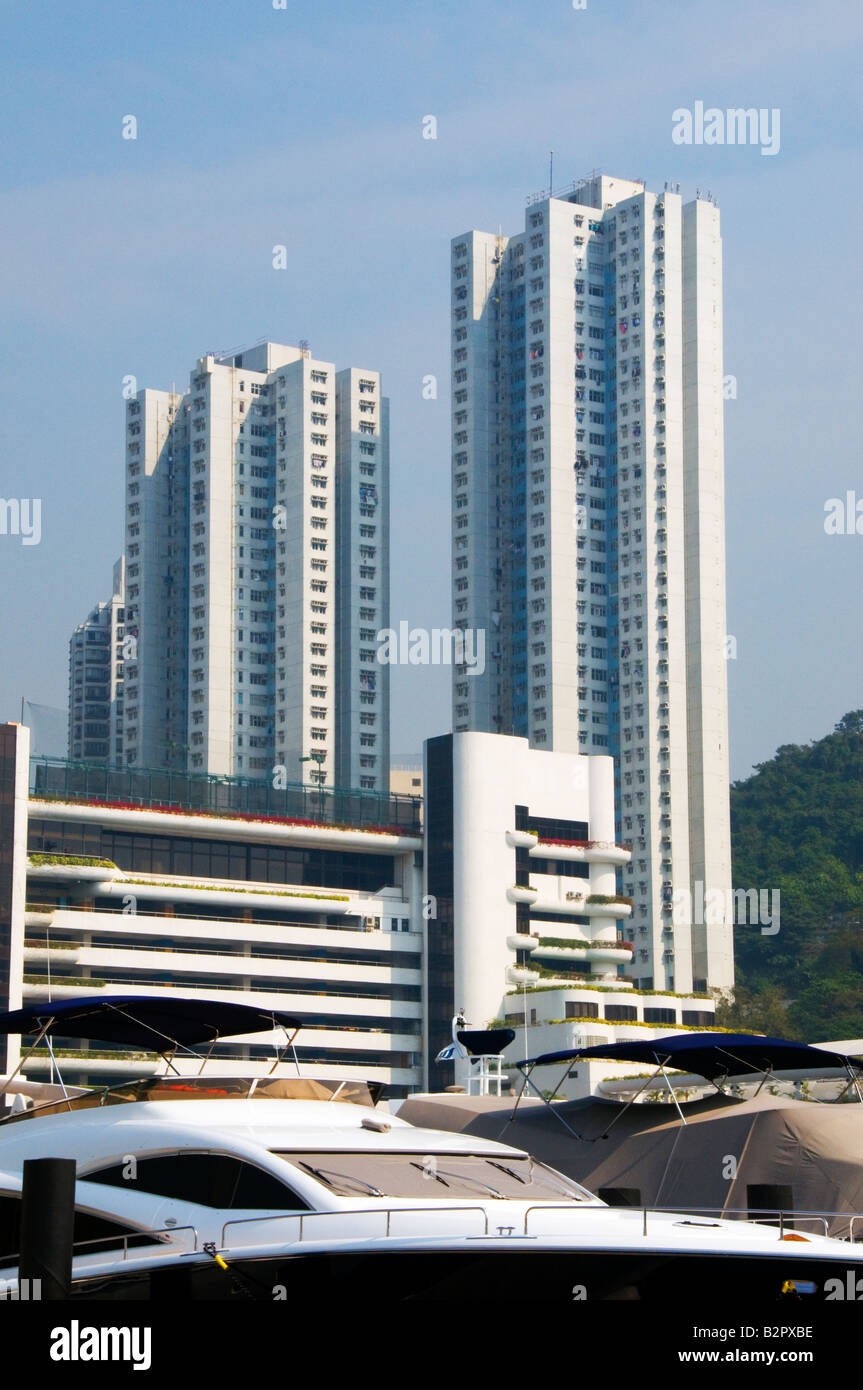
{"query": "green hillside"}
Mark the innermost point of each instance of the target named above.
(797, 826)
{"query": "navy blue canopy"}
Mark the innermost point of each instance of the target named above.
(153, 1022)
(485, 1042)
(707, 1054)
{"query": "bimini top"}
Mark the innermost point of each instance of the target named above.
(485, 1042)
(152, 1022)
(708, 1054)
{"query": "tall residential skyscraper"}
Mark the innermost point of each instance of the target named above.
(588, 527)
(96, 680)
(257, 518)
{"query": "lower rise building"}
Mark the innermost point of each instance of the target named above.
(305, 900)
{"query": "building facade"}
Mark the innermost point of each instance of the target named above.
(96, 660)
(371, 924)
(588, 527)
(526, 925)
(125, 881)
(257, 518)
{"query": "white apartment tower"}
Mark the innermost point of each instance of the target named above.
(96, 651)
(257, 550)
(588, 527)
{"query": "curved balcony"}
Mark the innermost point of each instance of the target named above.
(521, 975)
(520, 941)
(544, 951)
(58, 954)
(611, 955)
(521, 839)
(600, 905)
(57, 987)
(65, 867)
(582, 851)
(595, 952)
(522, 893)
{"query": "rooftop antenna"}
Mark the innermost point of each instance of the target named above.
(550, 172)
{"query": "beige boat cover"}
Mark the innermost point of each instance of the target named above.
(726, 1148)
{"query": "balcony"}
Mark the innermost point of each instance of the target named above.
(594, 952)
(521, 839)
(81, 867)
(608, 905)
(37, 987)
(522, 975)
(582, 851)
(60, 954)
(522, 893)
(521, 941)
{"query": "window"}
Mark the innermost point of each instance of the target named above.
(87, 1226)
(213, 1180)
(455, 1175)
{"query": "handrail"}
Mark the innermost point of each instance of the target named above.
(159, 1237)
(768, 1216)
(388, 1212)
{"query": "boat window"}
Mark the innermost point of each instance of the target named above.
(88, 1227)
(212, 1180)
(437, 1175)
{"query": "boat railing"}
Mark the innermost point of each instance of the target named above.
(785, 1221)
(143, 1239)
(384, 1214)
(761, 1216)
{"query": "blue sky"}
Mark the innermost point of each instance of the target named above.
(303, 127)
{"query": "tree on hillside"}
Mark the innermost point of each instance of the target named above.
(797, 829)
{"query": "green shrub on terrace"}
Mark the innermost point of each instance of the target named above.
(88, 860)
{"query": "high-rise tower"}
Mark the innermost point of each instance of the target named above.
(257, 509)
(588, 526)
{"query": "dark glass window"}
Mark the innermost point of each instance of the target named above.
(88, 1226)
(439, 884)
(550, 828)
(213, 1180)
(659, 1016)
(579, 1009)
(218, 858)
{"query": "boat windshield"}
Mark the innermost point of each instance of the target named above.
(437, 1175)
(162, 1088)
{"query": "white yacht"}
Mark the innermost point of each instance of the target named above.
(287, 1187)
